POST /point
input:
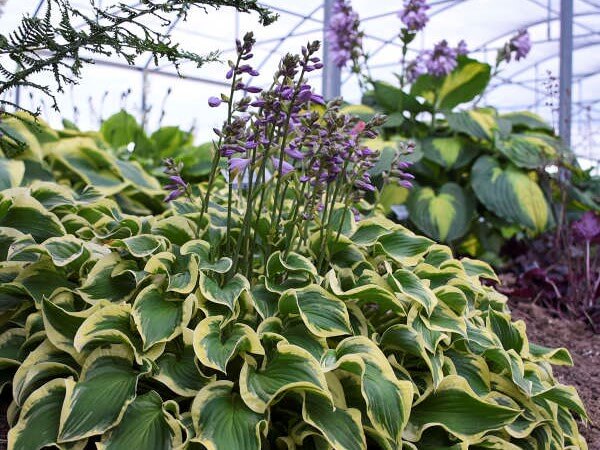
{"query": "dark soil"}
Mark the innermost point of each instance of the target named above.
(545, 329)
(542, 328)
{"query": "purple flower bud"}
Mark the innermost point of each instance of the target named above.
(173, 195)
(252, 89)
(238, 165)
(229, 74)
(213, 102)
(178, 180)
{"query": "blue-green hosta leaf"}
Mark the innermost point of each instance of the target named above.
(387, 399)
(323, 314)
(477, 123)
(404, 247)
(101, 285)
(201, 250)
(510, 194)
(159, 318)
(227, 295)
(26, 214)
(147, 423)
(11, 173)
(341, 427)
(215, 346)
(96, 402)
(555, 356)
(444, 216)
(407, 283)
(177, 229)
(289, 367)
(44, 363)
(222, 420)
(39, 418)
(450, 152)
(457, 408)
(177, 367)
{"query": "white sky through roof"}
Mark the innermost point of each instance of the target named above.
(484, 24)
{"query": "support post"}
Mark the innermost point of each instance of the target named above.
(566, 71)
(332, 75)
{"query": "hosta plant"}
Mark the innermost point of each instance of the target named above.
(276, 311)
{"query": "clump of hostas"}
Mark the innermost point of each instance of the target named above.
(272, 308)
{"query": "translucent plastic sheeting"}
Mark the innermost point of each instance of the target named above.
(485, 25)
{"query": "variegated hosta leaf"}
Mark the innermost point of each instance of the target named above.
(458, 409)
(407, 283)
(100, 283)
(387, 399)
(449, 152)
(11, 342)
(97, 402)
(511, 194)
(201, 250)
(177, 367)
(11, 173)
(147, 423)
(477, 123)
(216, 343)
(445, 216)
(158, 317)
(341, 428)
(39, 418)
(222, 421)
(226, 295)
(142, 245)
(287, 367)
(323, 314)
(527, 151)
(404, 247)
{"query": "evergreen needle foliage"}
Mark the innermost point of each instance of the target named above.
(64, 38)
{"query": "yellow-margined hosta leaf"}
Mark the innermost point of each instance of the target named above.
(147, 423)
(294, 331)
(341, 427)
(444, 216)
(407, 283)
(97, 401)
(142, 245)
(477, 123)
(457, 408)
(137, 177)
(41, 365)
(227, 295)
(42, 279)
(323, 314)
(387, 399)
(39, 418)
(201, 250)
(177, 367)
(511, 194)
(528, 152)
(159, 318)
(288, 367)
(11, 173)
(216, 344)
(369, 230)
(222, 421)
(293, 262)
(64, 249)
(26, 214)
(100, 283)
(11, 342)
(404, 247)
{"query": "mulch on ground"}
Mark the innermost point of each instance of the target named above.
(545, 329)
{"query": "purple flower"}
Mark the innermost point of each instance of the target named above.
(415, 69)
(461, 48)
(286, 167)
(173, 195)
(238, 165)
(343, 34)
(588, 227)
(519, 44)
(442, 60)
(213, 102)
(414, 14)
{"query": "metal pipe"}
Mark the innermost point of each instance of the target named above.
(566, 70)
(332, 75)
